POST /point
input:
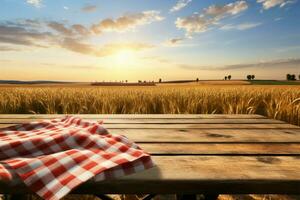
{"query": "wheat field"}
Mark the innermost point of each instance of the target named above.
(278, 102)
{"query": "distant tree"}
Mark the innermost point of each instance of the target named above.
(229, 77)
(160, 80)
(299, 76)
(291, 77)
(225, 78)
(249, 77)
(197, 80)
(126, 81)
(139, 81)
(252, 77)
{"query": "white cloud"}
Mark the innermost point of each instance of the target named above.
(66, 8)
(36, 3)
(194, 24)
(173, 42)
(180, 5)
(31, 34)
(127, 22)
(229, 9)
(198, 23)
(267, 4)
(89, 8)
(240, 27)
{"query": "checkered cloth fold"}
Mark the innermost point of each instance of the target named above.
(52, 157)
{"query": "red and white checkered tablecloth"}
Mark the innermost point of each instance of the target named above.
(52, 157)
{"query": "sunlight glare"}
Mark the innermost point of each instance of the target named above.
(125, 57)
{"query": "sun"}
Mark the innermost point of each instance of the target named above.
(125, 57)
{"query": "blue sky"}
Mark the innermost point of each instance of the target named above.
(90, 40)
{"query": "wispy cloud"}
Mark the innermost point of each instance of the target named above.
(121, 24)
(127, 22)
(291, 62)
(74, 37)
(71, 37)
(7, 48)
(209, 17)
(60, 28)
(106, 50)
(180, 5)
(35, 3)
(240, 27)
(174, 41)
(19, 35)
(89, 8)
(80, 29)
(267, 4)
(75, 30)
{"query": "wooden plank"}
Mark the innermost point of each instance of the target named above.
(192, 126)
(205, 174)
(135, 116)
(227, 173)
(220, 149)
(210, 135)
(202, 174)
(163, 121)
(200, 126)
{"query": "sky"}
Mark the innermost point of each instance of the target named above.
(101, 40)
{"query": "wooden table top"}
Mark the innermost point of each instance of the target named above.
(225, 154)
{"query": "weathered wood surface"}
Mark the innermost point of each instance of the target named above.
(199, 154)
(210, 135)
(164, 121)
(200, 126)
(191, 126)
(203, 174)
(135, 116)
(226, 149)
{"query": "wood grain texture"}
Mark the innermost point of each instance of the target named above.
(221, 149)
(199, 154)
(192, 126)
(162, 121)
(135, 116)
(203, 174)
(210, 135)
(201, 126)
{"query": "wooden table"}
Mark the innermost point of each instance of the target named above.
(199, 154)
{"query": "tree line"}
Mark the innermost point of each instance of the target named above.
(289, 77)
(292, 77)
(227, 77)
